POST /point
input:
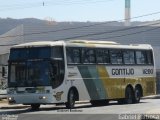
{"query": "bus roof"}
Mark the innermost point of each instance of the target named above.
(83, 43)
(105, 44)
(39, 44)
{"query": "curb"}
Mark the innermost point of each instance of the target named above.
(82, 102)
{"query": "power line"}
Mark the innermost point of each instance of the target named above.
(84, 2)
(132, 33)
(109, 37)
(96, 23)
(72, 28)
(44, 4)
(112, 31)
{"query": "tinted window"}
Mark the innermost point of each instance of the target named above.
(149, 57)
(88, 55)
(57, 73)
(18, 54)
(30, 53)
(141, 57)
(39, 52)
(73, 55)
(29, 74)
(128, 57)
(57, 52)
(102, 56)
(116, 56)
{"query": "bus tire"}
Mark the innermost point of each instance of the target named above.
(71, 99)
(137, 95)
(99, 102)
(35, 106)
(129, 95)
(121, 101)
(94, 102)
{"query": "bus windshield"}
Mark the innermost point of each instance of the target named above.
(29, 74)
(36, 66)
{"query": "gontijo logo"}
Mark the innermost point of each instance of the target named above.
(123, 71)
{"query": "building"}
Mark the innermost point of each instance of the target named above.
(148, 33)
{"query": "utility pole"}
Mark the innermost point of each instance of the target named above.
(127, 13)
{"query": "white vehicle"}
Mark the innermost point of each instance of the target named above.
(68, 71)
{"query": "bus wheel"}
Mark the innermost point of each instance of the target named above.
(35, 106)
(129, 96)
(94, 102)
(99, 102)
(71, 99)
(121, 101)
(137, 95)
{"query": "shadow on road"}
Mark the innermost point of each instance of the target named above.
(27, 109)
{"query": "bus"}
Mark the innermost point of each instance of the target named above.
(64, 72)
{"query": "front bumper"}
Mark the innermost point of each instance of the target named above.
(31, 99)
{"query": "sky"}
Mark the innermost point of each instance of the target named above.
(78, 10)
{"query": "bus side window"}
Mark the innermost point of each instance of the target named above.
(102, 56)
(57, 73)
(73, 55)
(88, 56)
(149, 56)
(128, 57)
(57, 67)
(141, 57)
(116, 56)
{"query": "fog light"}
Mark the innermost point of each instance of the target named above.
(42, 97)
(11, 98)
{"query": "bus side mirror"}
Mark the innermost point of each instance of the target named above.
(3, 71)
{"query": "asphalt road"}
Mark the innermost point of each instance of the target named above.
(113, 111)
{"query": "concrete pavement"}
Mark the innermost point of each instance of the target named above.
(152, 97)
(4, 103)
